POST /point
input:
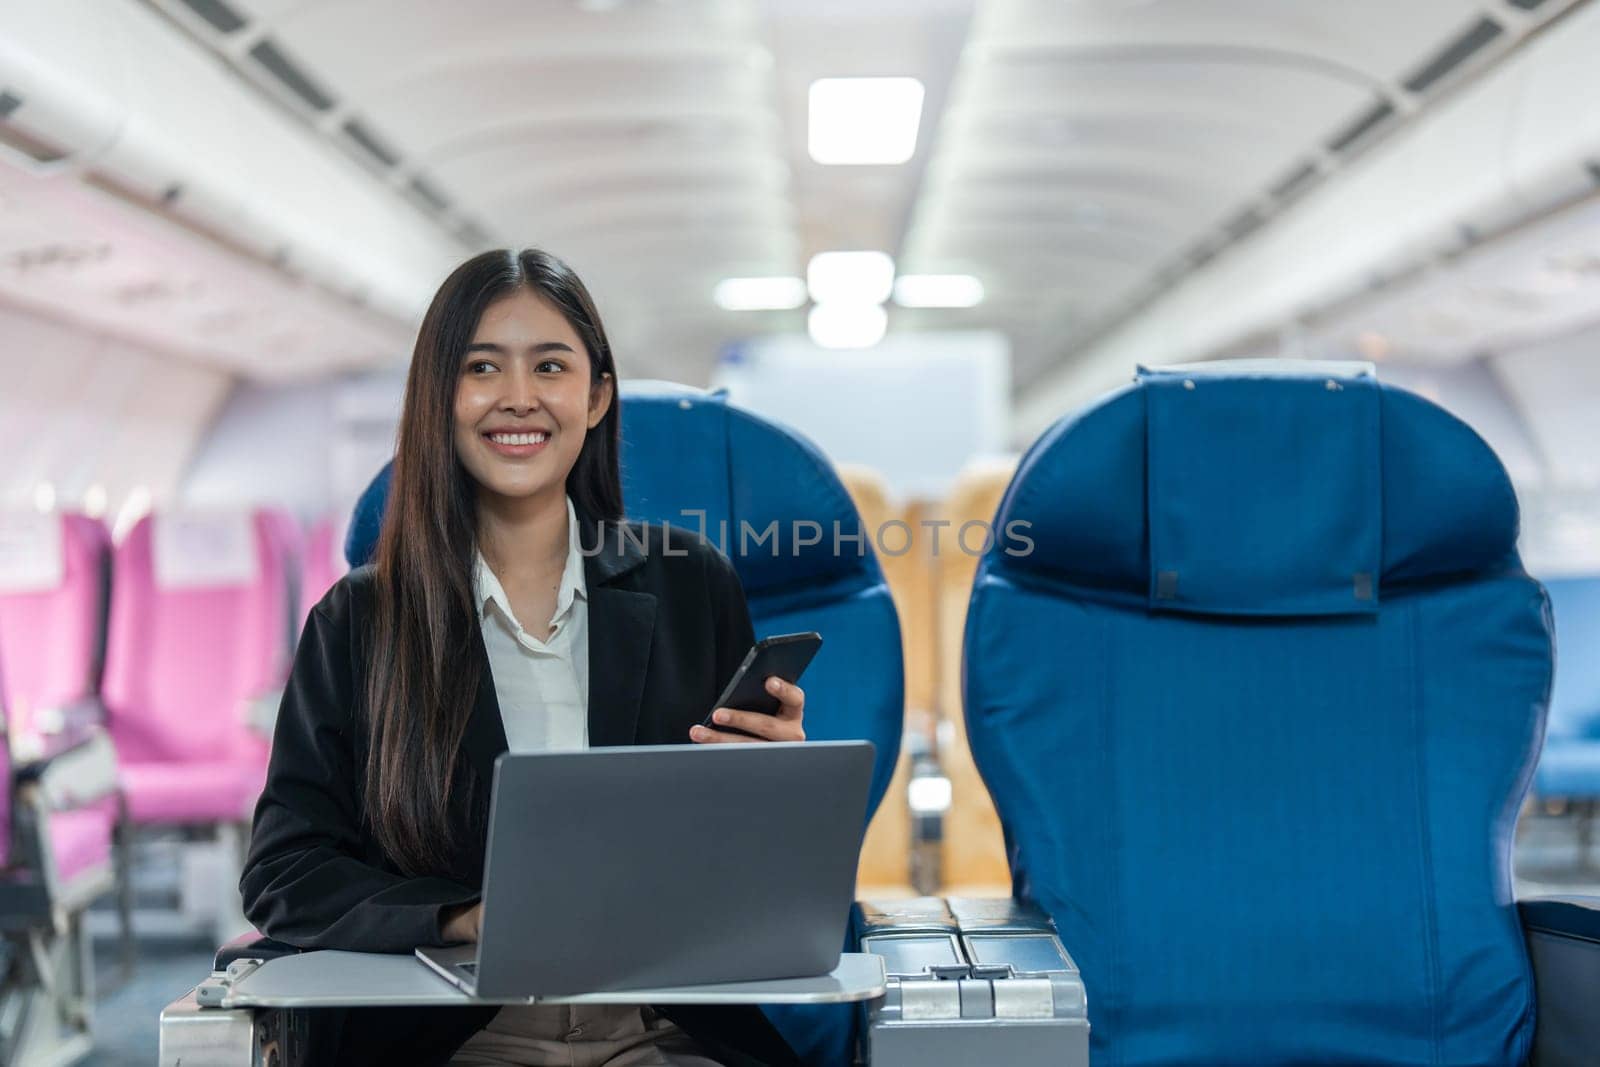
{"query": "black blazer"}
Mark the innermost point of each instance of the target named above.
(668, 626)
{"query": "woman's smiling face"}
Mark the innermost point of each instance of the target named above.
(525, 399)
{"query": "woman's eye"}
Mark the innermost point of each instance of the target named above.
(480, 366)
(551, 366)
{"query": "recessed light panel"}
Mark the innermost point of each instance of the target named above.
(760, 294)
(938, 291)
(850, 277)
(848, 325)
(856, 121)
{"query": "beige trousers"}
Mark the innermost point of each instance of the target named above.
(563, 1035)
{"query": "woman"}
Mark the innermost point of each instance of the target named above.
(505, 609)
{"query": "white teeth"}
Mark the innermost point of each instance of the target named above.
(519, 438)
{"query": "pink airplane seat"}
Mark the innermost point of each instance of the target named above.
(82, 839)
(75, 800)
(5, 802)
(57, 855)
(54, 582)
(55, 575)
(323, 564)
(81, 842)
(289, 539)
(199, 642)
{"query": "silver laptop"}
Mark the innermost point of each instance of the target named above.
(631, 868)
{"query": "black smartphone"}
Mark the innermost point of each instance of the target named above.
(785, 655)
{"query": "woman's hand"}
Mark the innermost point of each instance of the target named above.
(787, 725)
(462, 923)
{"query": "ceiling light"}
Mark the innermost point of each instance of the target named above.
(864, 120)
(760, 294)
(850, 277)
(848, 325)
(938, 291)
(929, 794)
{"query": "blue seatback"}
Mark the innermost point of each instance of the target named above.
(1258, 702)
(766, 497)
(760, 492)
(366, 519)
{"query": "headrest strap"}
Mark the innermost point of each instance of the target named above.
(1265, 494)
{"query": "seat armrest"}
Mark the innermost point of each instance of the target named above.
(1563, 936)
(971, 981)
(56, 732)
(78, 770)
(251, 946)
(261, 712)
(1567, 916)
(71, 719)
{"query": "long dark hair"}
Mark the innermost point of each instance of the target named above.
(422, 673)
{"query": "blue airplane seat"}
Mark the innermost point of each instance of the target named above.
(366, 519)
(1570, 766)
(1258, 707)
(770, 500)
(761, 493)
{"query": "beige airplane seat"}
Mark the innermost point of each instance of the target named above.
(886, 852)
(911, 582)
(974, 849)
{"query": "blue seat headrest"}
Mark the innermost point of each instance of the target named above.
(763, 494)
(1258, 489)
(770, 499)
(366, 521)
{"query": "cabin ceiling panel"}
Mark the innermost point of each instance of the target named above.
(651, 131)
(997, 241)
(1156, 208)
(1362, 40)
(640, 131)
(1199, 162)
(81, 411)
(72, 253)
(623, 173)
(1177, 86)
(466, 28)
(614, 209)
(1539, 282)
(1082, 176)
(1558, 380)
(1183, 126)
(1077, 155)
(438, 105)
